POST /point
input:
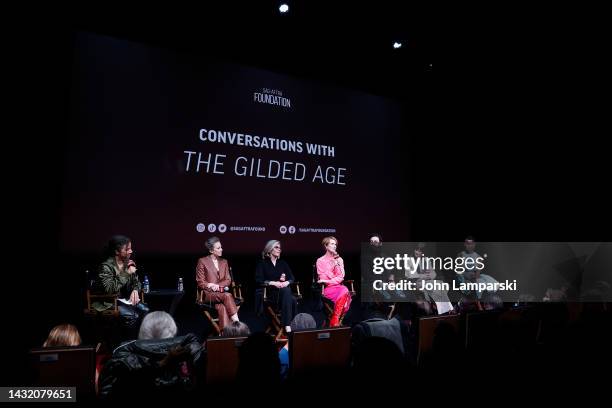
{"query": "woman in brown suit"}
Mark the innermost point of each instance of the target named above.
(212, 276)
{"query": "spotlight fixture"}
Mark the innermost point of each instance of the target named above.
(283, 8)
(397, 45)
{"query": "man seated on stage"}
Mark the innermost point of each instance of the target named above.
(376, 246)
(117, 275)
(425, 272)
(473, 274)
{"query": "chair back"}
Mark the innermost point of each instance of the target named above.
(427, 328)
(315, 349)
(223, 359)
(94, 294)
(65, 367)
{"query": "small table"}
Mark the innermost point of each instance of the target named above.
(160, 299)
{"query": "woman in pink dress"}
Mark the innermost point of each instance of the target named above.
(330, 268)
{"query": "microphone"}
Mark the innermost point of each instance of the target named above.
(130, 264)
(226, 289)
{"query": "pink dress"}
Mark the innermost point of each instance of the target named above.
(332, 269)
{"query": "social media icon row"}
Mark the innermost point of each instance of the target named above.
(211, 228)
(284, 229)
(201, 227)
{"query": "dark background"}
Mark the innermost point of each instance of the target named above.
(512, 102)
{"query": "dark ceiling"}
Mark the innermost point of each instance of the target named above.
(347, 43)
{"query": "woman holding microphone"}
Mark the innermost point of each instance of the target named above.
(330, 269)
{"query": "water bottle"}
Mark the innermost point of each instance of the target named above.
(91, 282)
(145, 287)
(180, 284)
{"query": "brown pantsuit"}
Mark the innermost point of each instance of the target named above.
(224, 301)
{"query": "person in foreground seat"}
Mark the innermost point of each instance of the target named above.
(156, 366)
(301, 321)
(63, 335)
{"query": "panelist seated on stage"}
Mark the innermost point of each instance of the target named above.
(117, 275)
(424, 272)
(330, 270)
(275, 274)
(473, 273)
(213, 277)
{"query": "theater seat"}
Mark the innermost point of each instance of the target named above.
(65, 367)
(222, 359)
(311, 350)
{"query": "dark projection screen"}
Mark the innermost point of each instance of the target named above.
(170, 148)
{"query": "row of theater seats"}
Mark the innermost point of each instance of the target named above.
(311, 349)
(476, 329)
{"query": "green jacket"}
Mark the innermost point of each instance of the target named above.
(113, 280)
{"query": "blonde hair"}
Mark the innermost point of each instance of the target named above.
(268, 248)
(63, 335)
(327, 239)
